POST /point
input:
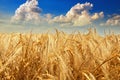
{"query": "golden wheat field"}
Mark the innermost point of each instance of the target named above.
(59, 56)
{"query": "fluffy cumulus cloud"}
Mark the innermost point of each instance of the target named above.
(113, 21)
(28, 11)
(78, 15)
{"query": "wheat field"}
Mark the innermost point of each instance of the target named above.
(59, 56)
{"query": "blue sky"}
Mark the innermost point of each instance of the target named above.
(102, 14)
(62, 6)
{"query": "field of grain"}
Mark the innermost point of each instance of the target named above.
(59, 56)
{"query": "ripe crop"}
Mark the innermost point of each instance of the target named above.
(59, 56)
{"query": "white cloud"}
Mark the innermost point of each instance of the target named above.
(97, 16)
(28, 11)
(113, 21)
(79, 15)
(47, 17)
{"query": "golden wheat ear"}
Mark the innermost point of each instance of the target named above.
(59, 56)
